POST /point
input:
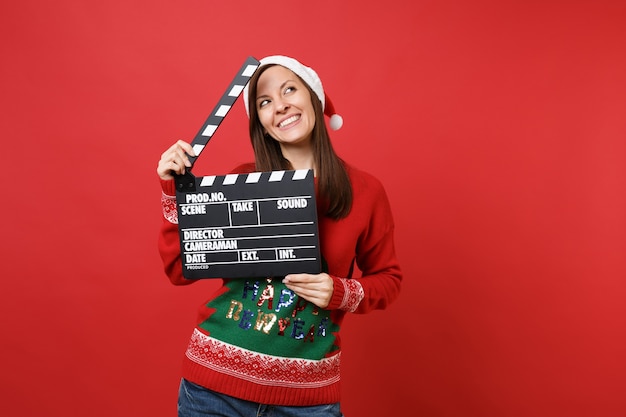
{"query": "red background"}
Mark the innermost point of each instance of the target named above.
(498, 129)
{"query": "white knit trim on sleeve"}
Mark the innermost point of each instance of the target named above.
(168, 202)
(352, 296)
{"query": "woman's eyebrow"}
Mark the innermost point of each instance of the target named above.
(281, 87)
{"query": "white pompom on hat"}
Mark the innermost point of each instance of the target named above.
(310, 77)
(335, 121)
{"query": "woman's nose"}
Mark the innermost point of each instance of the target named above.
(281, 106)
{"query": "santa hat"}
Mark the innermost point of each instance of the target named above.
(310, 77)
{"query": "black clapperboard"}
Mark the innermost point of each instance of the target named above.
(258, 224)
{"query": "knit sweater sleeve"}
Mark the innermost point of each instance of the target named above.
(169, 242)
(381, 276)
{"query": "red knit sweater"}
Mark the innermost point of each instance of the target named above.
(256, 340)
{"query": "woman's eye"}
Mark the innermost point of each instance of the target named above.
(289, 89)
(262, 103)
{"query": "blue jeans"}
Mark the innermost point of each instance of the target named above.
(196, 401)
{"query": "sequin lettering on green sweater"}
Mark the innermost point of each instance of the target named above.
(266, 316)
(264, 321)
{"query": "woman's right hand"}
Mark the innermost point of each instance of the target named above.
(175, 160)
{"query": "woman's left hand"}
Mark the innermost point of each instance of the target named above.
(317, 289)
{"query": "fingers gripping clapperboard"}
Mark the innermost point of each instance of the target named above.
(245, 225)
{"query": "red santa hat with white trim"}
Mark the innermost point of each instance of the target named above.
(310, 77)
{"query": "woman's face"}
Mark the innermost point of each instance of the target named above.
(284, 106)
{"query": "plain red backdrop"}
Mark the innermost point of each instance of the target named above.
(498, 129)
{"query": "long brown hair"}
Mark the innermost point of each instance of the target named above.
(333, 182)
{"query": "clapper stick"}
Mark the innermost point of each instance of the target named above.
(223, 106)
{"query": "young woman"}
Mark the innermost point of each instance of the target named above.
(272, 345)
